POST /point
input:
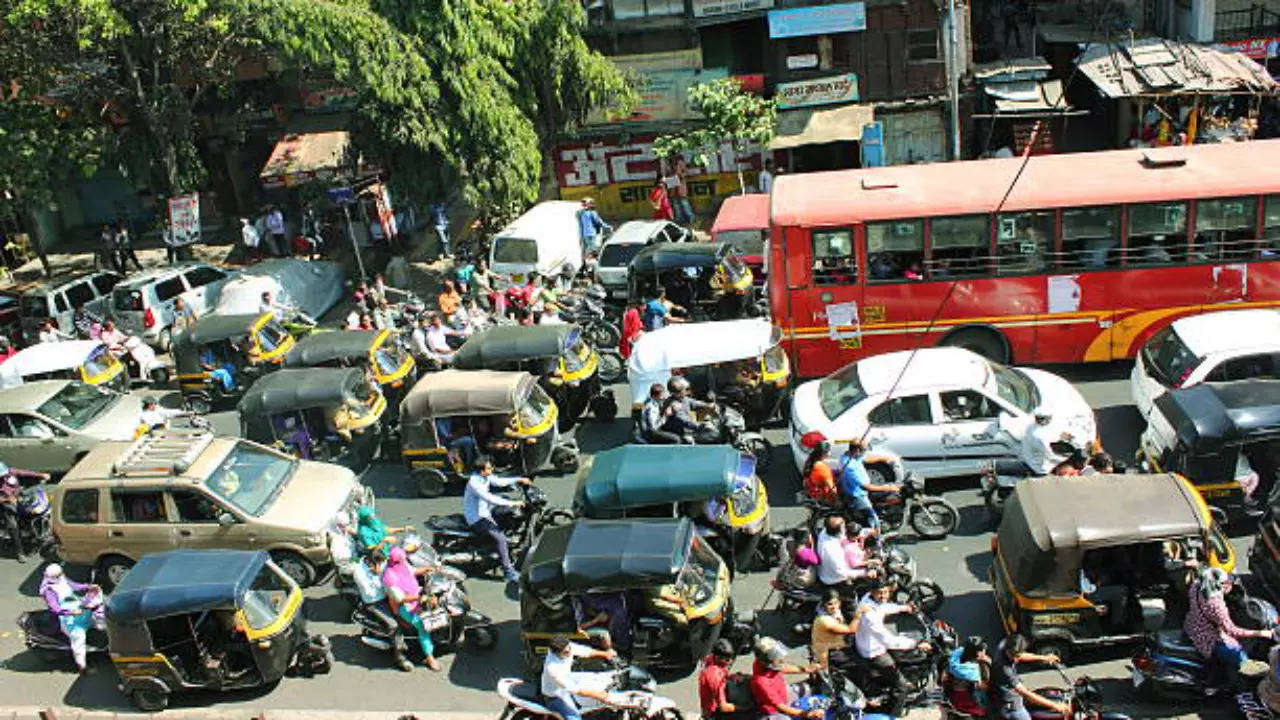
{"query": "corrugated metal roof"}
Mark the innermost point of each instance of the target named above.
(1156, 66)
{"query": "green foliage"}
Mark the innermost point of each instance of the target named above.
(729, 113)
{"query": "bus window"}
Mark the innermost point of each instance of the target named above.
(959, 246)
(895, 250)
(1225, 229)
(833, 260)
(1088, 237)
(1271, 226)
(1157, 234)
(1022, 241)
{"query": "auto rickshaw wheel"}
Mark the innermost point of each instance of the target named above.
(159, 376)
(149, 699)
(111, 571)
(295, 566)
(430, 481)
(611, 368)
(481, 638)
(603, 334)
(564, 460)
(199, 404)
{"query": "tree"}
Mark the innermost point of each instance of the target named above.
(728, 113)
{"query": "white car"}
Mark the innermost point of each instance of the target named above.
(1214, 347)
(951, 409)
(625, 243)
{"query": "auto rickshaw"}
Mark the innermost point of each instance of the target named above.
(327, 414)
(558, 355)
(1264, 554)
(88, 361)
(219, 356)
(707, 279)
(391, 365)
(716, 486)
(675, 588)
(741, 361)
(451, 417)
(1220, 436)
(208, 620)
(1100, 559)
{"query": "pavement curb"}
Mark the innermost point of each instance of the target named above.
(70, 713)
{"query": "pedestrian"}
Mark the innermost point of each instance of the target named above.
(124, 248)
(50, 333)
(171, 245)
(591, 227)
(183, 317)
(275, 226)
(660, 201)
(107, 254)
(765, 180)
(683, 206)
(249, 236)
(440, 221)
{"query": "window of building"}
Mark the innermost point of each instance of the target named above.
(922, 44)
(1090, 237)
(833, 260)
(910, 410)
(959, 246)
(631, 9)
(895, 250)
(1157, 234)
(1023, 241)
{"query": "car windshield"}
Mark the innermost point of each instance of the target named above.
(697, 580)
(77, 404)
(251, 477)
(746, 242)
(125, 300)
(1015, 388)
(515, 250)
(534, 410)
(1168, 359)
(619, 254)
(266, 597)
(840, 391)
(34, 306)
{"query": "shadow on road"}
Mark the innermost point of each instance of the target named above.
(481, 669)
(978, 564)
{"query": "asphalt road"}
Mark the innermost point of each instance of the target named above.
(363, 679)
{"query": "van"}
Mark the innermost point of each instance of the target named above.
(544, 240)
(142, 304)
(198, 491)
(57, 299)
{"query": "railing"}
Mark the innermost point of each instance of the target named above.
(1251, 22)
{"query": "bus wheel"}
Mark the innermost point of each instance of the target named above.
(987, 343)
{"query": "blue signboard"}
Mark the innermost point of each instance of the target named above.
(872, 145)
(819, 20)
(342, 196)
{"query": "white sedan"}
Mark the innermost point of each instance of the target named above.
(949, 411)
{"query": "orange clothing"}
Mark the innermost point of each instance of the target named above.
(821, 485)
(449, 302)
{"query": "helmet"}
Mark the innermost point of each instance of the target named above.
(823, 447)
(677, 384)
(148, 400)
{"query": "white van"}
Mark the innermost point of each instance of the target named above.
(543, 240)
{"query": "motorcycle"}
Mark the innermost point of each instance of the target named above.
(632, 694)
(587, 310)
(42, 633)
(920, 668)
(34, 526)
(998, 479)
(456, 545)
(930, 516)
(1082, 694)
(141, 362)
(729, 427)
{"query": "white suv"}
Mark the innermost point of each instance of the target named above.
(142, 304)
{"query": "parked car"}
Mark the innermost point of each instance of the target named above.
(543, 240)
(57, 299)
(312, 287)
(142, 304)
(1213, 347)
(197, 491)
(48, 425)
(950, 409)
(626, 242)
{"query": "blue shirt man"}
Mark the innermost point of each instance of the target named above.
(591, 226)
(855, 483)
(655, 314)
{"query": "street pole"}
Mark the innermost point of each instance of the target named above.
(351, 233)
(953, 78)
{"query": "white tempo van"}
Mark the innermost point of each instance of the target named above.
(543, 240)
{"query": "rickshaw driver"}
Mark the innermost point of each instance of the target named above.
(479, 503)
(653, 418)
(603, 617)
(220, 371)
(558, 684)
(680, 409)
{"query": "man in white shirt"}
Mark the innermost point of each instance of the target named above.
(154, 417)
(874, 640)
(558, 684)
(249, 236)
(49, 333)
(437, 340)
(1037, 445)
(478, 503)
(833, 563)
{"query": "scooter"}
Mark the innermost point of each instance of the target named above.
(729, 427)
(998, 479)
(1082, 694)
(42, 632)
(142, 363)
(34, 525)
(632, 694)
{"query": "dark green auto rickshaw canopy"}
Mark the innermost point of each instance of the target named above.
(183, 581)
(206, 331)
(670, 256)
(301, 389)
(639, 475)
(606, 556)
(1211, 416)
(319, 348)
(514, 343)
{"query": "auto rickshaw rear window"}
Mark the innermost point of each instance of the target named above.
(266, 598)
(80, 507)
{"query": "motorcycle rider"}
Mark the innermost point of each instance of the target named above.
(775, 700)
(10, 492)
(829, 638)
(66, 599)
(818, 481)
(1036, 455)
(478, 504)
(682, 404)
(875, 640)
(558, 684)
(1009, 694)
(653, 417)
(1208, 623)
(855, 483)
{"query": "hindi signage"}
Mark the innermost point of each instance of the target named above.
(822, 91)
(818, 20)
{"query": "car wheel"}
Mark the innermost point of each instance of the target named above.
(111, 571)
(430, 481)
(165, 342)
(295, 566)
(149, 699)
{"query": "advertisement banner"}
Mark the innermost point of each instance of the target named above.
(184, 218)
(1256, 48)
(822, 91)
(818, 20)
(708, 8)
(663, 91)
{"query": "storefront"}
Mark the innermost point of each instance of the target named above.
(1019, 106)
(813, 139)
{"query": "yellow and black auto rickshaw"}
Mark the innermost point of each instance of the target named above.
(558, 355)
(1100, 559)
(1264, 554)
(220, 356)
(708, 280)
(208, 620)
(389, 363)
(450, 418)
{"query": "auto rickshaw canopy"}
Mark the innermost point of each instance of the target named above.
(1211, 416)
(51, 357)
(607, 555)
(206, 331)
(452, 393)
(183, 581)
(639, 475)
(1049, 523)
(302, 388)
(514, 343)
(671, 256)
(684, 345)
(321, 347)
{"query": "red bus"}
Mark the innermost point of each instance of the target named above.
(1090, 254)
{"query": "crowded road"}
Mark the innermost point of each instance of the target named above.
(364, 679)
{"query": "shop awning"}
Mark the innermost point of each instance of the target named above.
(1155, 66)
(815, 126)
(1027, 97)
(298, 159)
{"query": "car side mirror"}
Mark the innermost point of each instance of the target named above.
(226, 519)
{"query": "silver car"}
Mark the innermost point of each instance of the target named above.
(48, 425)
(626, 242)
(142, 304)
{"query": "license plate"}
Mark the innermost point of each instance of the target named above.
(1138, 677)
(435, 620)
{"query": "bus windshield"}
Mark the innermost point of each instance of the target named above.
(840, 391)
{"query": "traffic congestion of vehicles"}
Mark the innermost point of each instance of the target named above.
(192, 550)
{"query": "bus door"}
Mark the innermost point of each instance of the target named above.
(828, 315)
